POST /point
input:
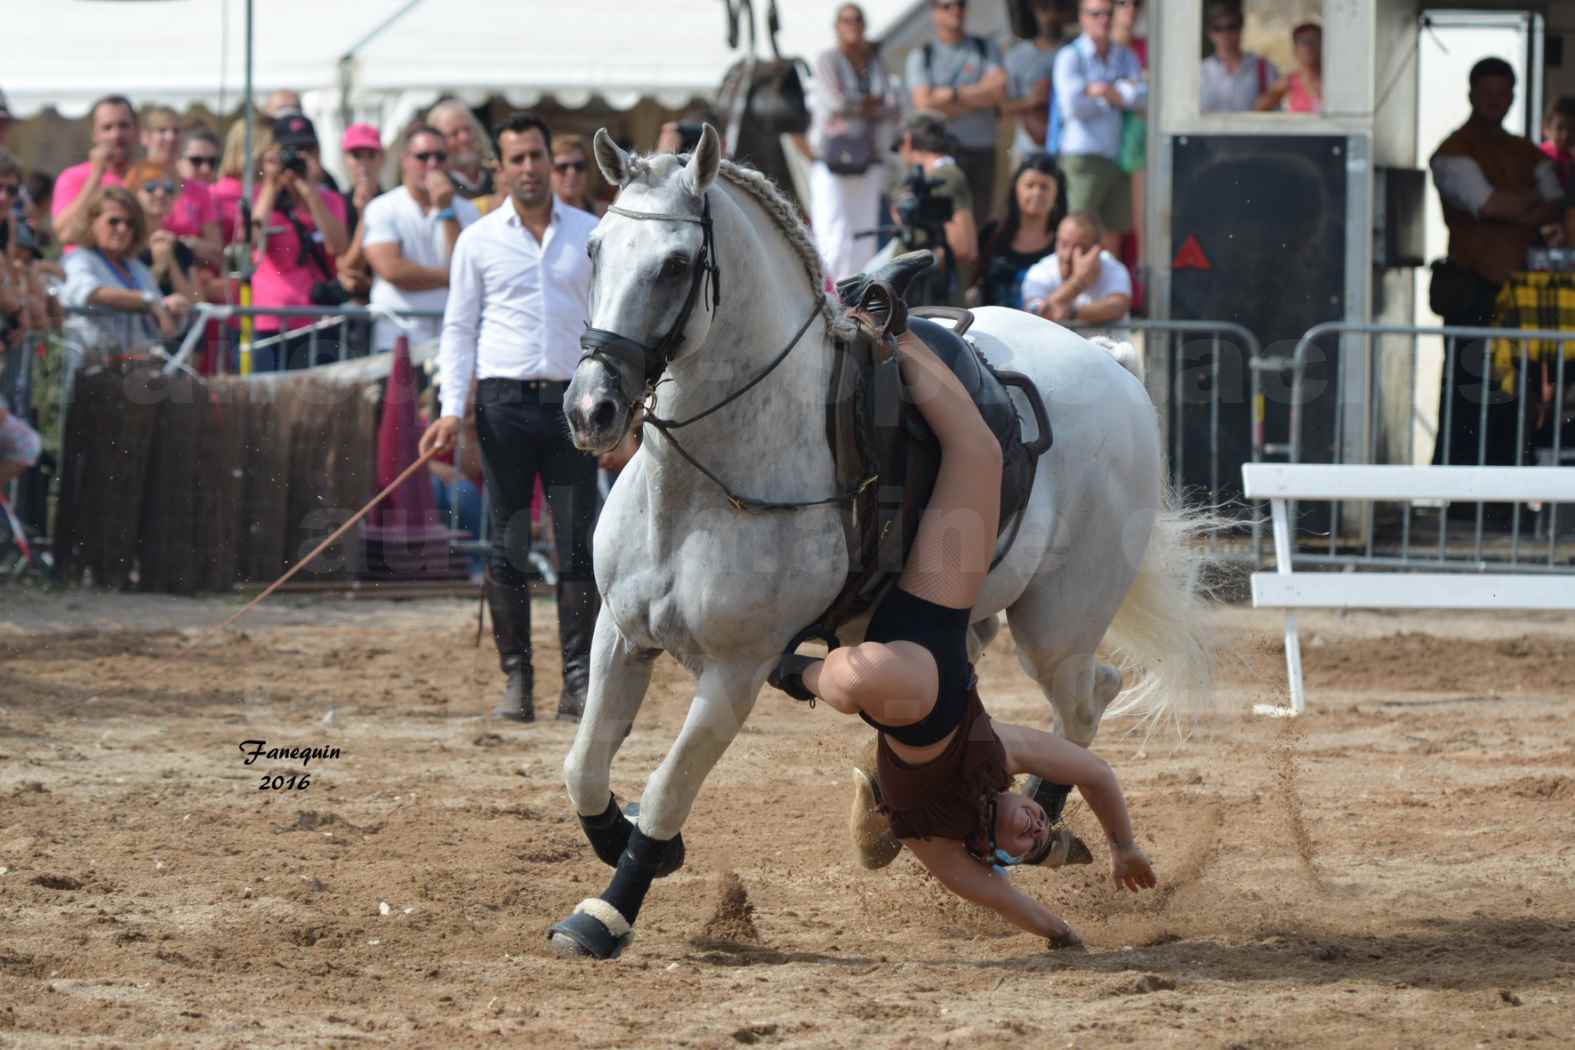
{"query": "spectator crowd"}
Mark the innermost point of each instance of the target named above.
(1066, 107)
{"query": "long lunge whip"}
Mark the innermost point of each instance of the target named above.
(340, 531)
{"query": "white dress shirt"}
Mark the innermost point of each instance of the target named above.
(1093, 125)
(516, 306)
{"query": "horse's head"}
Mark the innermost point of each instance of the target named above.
(653, 261)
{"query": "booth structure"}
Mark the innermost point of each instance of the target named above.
(1281, 221)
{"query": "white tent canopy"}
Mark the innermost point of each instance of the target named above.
(65, 53)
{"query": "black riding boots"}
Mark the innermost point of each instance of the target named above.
(510, 608)
(578, 606)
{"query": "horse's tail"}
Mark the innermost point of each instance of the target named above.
(1126, 354)
(1161, 633)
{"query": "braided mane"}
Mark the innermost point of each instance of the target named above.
(785, 216)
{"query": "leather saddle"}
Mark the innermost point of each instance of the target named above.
(883, 447)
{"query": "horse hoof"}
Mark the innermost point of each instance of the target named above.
(594, 931)
(1050, 796)
(872, 837)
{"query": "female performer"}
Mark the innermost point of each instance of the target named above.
(943, 766)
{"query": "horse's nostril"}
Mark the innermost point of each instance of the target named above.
(603, 414)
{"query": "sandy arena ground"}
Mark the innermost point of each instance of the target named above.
(1393, 871)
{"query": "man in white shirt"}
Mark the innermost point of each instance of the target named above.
(409, 235)
(518, 301)
(1081, 283)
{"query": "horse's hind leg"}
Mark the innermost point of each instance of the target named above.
(601, 926)
(620, 675)
(1057, 629)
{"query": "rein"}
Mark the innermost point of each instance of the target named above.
(600, 344)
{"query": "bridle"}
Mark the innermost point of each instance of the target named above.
(612, 349)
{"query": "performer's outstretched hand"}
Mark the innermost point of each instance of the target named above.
(1131, 869)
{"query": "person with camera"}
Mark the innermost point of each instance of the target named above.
(170, 258)
(933, 209)
(521, 287)
(851, 110)
(109, 161)
(409, 238)
(298, 230)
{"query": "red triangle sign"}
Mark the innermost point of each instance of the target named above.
(1191, 256)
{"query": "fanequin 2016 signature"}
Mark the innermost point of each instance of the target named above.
(255, 749)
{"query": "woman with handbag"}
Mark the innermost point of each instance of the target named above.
(852, 108)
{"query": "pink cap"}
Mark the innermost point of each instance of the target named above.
(361, 136)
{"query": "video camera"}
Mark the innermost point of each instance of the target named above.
(293, 159)
(921, 213)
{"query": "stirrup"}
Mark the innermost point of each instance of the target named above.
(788, 675)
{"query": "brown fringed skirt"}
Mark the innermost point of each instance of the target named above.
(949, 796)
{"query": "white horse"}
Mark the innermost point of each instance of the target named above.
(703, 266)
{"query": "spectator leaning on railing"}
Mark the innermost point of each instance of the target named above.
(409, 238)
(106, 274)
(1081, 283)
(114, 143)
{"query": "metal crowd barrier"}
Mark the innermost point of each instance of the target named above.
(340, 321)
(1393, 383)
(1181, 386)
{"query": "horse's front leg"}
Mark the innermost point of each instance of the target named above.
(601, 926)
(620, 676)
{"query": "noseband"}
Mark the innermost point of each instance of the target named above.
(651, 361)
(612, 349)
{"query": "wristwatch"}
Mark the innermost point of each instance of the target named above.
(149, 301)
(447, 215)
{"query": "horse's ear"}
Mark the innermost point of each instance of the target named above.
(613, 161)
(704, 161)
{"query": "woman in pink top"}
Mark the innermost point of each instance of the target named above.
(193, 217)
(299, 230)
(227, 188)
(1302, 90)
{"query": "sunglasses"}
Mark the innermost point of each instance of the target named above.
(115, 222)
(202, 162)
(161, 186)
(563, 167)
(431, 156)
(8, 189)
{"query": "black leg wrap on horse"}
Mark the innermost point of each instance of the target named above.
(640, 863)
(1050, 796)
(608, 832)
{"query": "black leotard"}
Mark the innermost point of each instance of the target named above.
(904, 617)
